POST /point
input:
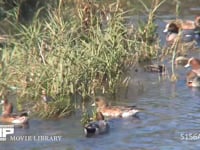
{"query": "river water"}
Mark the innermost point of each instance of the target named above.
(171, 113)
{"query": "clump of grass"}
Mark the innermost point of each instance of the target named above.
(147, 29)
(146, 32)
(88, 117)
(71, 53)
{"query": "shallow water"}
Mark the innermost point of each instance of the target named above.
(171, 112)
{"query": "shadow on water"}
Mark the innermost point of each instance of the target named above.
(171, 110)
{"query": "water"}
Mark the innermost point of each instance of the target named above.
(171, 112)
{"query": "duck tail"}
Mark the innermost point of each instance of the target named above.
(23, 114)
(133, 106)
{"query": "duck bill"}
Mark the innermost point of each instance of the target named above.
(165, 30)
(187, 65)
(2, 102)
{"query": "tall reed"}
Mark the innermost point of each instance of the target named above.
(69, 53)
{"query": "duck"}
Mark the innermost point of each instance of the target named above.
(14, 120)
(193, 77)
(100, 126)
(155, 68)
(181, 60)
(173, 29)
(21, 118)
(195, 65)
(114, 111)
(189, 30)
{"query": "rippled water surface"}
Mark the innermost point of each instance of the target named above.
(171, 112)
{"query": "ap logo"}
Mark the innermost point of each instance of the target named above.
(5, 130)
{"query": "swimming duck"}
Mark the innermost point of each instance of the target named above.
(181, 60)
(190, 30)
(114, 111)
(195, 64)
(100, 126)
(172, 29)
(155, 68)
(9, 117)
(14, 120)
(193, 77)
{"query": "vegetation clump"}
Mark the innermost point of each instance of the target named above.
(73, 53)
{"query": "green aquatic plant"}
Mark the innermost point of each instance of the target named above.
(85, 118)
(88, 117)
(174, 48)
(177, 12)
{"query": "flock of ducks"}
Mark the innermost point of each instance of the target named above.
(101, 126)
(188, 31)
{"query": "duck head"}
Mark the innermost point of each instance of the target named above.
(91, 129)
(100, 102)
(171, 27)
(194, 63)
(161, 68)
